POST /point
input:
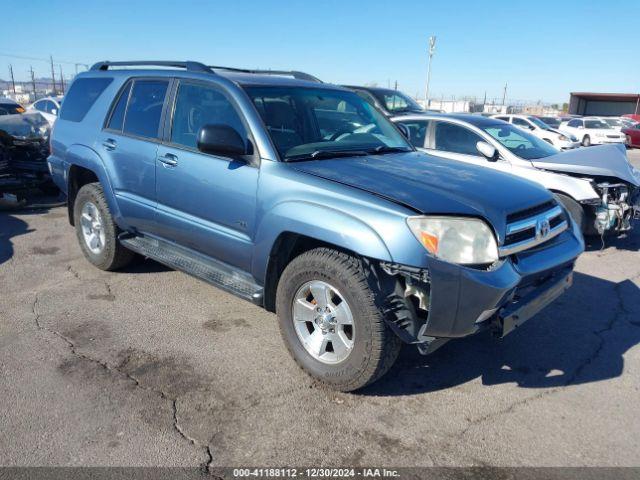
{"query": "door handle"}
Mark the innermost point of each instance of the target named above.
(110, 144)
(169, 159)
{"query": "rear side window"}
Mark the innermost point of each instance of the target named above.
(81, 97)
(117, 116)
(145, 108)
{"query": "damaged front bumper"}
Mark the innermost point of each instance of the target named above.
(615, 210)
(452, 301)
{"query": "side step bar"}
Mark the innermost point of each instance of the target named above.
(212, 271)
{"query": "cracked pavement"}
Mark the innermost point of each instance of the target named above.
(151, 367)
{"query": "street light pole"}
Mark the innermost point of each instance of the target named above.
(432, 49)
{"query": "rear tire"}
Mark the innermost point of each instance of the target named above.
(374, 347)
(575, 210)
(96, 231)
(586, 141)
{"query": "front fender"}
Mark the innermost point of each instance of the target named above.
(316, 221)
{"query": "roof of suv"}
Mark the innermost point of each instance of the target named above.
(241, 76)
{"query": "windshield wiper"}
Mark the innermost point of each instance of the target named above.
(382, 149)
(327, 154)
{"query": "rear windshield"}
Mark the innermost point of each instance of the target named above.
(81, 97)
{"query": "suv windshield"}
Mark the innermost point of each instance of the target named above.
(595, 124)
(520, 143)
(395, 101)
(309, 123)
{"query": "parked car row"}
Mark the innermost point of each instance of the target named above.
(560, 139)
(312, 201)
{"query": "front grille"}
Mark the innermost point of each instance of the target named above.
(613, 136)
(530, 212)
(533, 226)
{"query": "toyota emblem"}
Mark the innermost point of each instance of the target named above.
(542, 228)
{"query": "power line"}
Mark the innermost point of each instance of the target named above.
(25, 57)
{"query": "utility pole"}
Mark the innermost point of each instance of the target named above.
(432, 49)
(61, 80)
(13, 82)
(33, 83)
(53, 75)
(504, 94)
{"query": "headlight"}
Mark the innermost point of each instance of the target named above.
(562, 138)
(467, 241)
(599, 134)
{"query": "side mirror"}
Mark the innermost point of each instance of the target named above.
(54, 111)
(404, 130)
(220, 140)
(488, 151)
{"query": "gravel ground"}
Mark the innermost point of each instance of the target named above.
(151, 367)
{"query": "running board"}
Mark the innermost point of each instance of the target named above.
(212, 271)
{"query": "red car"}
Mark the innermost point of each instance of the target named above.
(633, 135)
(632, 116)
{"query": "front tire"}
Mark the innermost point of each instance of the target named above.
(586, 141)
(96, 230)
(575, 210)
(330, 320)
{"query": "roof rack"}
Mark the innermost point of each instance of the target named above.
(200, 67)
(293, 73)
(191, 66)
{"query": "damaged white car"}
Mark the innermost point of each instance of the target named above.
(598, 186)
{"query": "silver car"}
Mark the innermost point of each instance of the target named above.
(598, 186)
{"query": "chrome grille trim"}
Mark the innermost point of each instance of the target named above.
(537, 239)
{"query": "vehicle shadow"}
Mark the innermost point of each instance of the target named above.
(580, 338)
(10, 227)
(629, 241)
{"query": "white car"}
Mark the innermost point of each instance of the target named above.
(593, 131)
(614, 122)
(535, 126)
(598, 186)
(48, 107)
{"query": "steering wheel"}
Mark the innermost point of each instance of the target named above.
(340, 133)
(521, 147)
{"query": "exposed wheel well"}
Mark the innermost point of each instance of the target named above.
(286, 247)
(78, 177)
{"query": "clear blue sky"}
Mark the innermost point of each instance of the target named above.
(542, 49)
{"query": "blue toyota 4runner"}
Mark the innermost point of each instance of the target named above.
(304, 199)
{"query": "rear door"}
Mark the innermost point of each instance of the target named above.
(129, 143)
(205, 202)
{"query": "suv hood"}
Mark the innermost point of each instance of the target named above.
(600, 161)
(433, 185)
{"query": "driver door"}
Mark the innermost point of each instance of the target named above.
(205, 202)
(457, 142)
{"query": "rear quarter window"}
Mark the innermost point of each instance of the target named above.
(81, 97)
